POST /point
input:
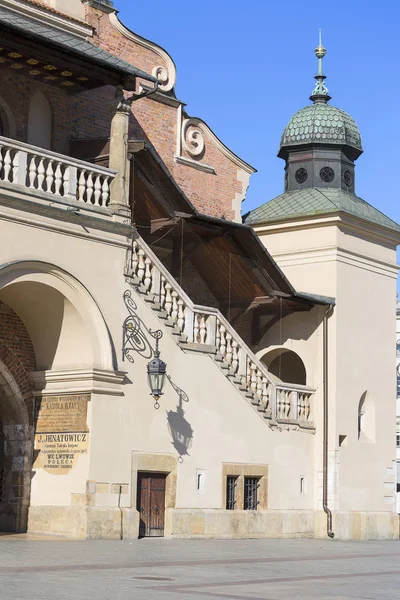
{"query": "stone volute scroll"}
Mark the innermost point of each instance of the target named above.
(163, 75)
(192, 138)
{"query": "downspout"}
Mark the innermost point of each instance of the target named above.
(327, 511)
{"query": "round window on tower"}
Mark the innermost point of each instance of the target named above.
(348, 178)
(301, 175)
(327, 174)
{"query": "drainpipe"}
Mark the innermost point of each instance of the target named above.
(326, 422)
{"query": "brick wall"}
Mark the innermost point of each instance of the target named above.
(211, 193)
(17, 352)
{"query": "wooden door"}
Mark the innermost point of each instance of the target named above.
(151, 504)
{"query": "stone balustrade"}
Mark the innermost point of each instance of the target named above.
(47, 173)
(207, 329)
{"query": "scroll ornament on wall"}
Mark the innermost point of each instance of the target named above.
(192, 137)
(162, 74)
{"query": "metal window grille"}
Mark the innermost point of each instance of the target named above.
(250, 493)
(231, 492)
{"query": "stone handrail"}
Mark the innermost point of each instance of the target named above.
(46, 172)
(206, 327)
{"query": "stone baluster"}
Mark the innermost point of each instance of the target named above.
(49, 177)
(229, 353)
(97, 190)
(259, 384)
(82, 186)
(40, 174)
(217, 336)
(222, 344)
(196, 328)
(105, 192)
(89, 188)
(203, 329)
(253, 378)
(168, 298)
(162, 292)
(235, 356)
(32, 172)
(293, 406)
(7, 165)
(58, 180)
(141, 265)
(174, 307)
(134, 259)
(181, 314)
(265, 396)
(147, 273)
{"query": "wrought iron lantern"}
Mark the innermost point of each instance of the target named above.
(156, 371)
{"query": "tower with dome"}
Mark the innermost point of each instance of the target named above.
(330, 242)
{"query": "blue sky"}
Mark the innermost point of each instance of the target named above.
(247, 67)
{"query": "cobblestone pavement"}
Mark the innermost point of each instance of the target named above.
(161, 569)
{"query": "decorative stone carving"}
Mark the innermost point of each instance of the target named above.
(162, 75)
(192, 138)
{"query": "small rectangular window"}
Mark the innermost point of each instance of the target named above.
(397, 440)
(302, 485)
(231, 492)
(250, 493)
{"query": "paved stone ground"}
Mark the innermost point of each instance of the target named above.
(161, 569)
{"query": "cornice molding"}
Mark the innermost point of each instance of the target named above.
(166, 74)
(188, 162)
(93, 381)
(339, 219)
(55, 19)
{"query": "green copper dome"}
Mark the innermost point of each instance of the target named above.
(321, 123)
(324, 124)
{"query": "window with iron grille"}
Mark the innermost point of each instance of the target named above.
(231, 482)
(250, 493)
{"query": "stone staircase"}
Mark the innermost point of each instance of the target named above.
(204, 329)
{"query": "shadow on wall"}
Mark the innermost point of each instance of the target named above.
(180, 429)
(286, 365)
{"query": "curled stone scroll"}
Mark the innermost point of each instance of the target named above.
(192, 137)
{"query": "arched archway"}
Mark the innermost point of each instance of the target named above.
(40, 122)
(61, 325)
(64, 322)
(7, 121)
(286, 365)
(16, 441)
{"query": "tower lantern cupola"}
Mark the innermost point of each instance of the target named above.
(321, 142)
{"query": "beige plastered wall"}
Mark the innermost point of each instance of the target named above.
(356, 264)
(226, 428)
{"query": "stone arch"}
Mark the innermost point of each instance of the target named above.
(64, 322)
(40, 121)
(16, 446)
(286, 365)
(7, 121)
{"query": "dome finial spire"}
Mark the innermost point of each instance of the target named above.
(320, 92)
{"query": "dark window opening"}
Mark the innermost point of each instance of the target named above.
(250, 493)
(231, 482)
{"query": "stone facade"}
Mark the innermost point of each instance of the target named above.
(234, 450)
